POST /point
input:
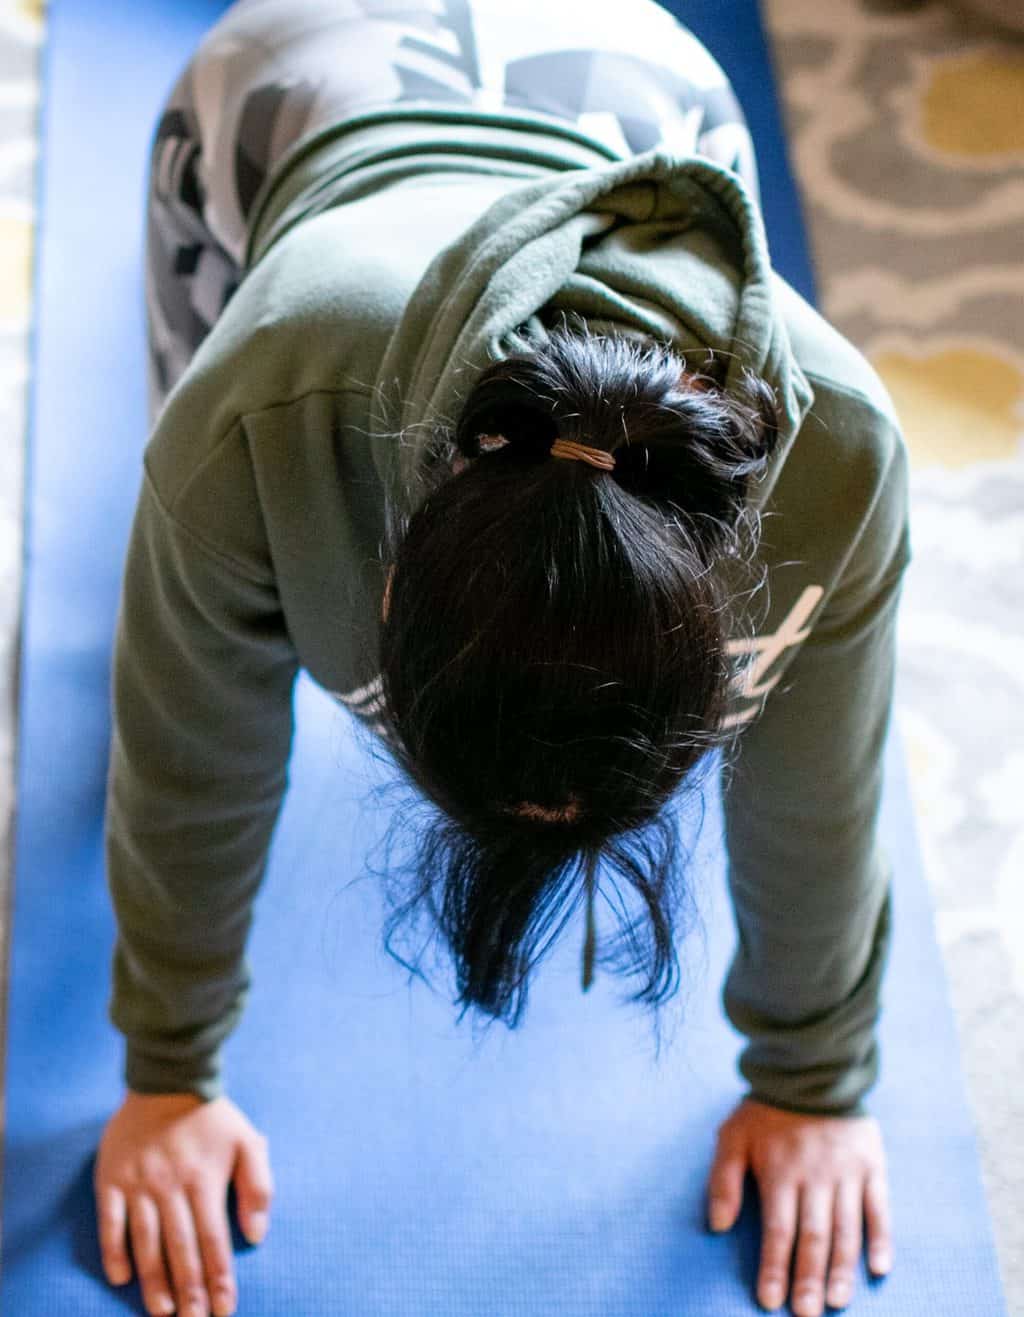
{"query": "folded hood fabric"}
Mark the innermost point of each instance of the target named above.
(671, 247)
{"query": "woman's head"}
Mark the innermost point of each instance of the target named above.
(553, 655)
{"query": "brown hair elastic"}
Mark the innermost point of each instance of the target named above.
(599, 457)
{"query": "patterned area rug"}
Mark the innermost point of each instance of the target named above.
(906, 131)
(906, 124)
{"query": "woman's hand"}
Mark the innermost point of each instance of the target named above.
(162, 1171)
(815, 1173)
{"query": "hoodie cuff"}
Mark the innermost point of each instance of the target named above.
(149, 1075)
(851, 1109)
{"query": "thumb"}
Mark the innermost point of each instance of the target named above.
(725, 1185)
(254, 1186)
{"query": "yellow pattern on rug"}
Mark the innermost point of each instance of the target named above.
(959, 405)
(973, 105)
(15, 268)
(34, 10)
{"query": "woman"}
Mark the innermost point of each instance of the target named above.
(475, 395)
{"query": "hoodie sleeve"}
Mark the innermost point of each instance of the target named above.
(809, 881)
(202, 685)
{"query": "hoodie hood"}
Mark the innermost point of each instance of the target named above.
(668, 246)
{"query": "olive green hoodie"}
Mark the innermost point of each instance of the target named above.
(391, 258)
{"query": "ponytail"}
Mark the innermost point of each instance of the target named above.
(553, 663)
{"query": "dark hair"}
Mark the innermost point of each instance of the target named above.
(553, 662)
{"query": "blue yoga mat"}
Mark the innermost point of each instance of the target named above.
(420, 1169)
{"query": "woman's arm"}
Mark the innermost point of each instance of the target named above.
(809, 881)
(203, 676)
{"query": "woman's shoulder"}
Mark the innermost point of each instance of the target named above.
(252, 421)
(289, 331)
(840, 374)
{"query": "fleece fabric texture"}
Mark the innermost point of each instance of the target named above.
(390, 259)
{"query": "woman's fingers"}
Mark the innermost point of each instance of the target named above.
(254, 1186)
(144, 1224)
(876, 1210)
(725, 1182)
(182, 1249)
(164, 1162)
(112, 1212)
(209, 1210)
(820, 1177)
(847, 1238)
(779, 1212)
(813, 1248)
